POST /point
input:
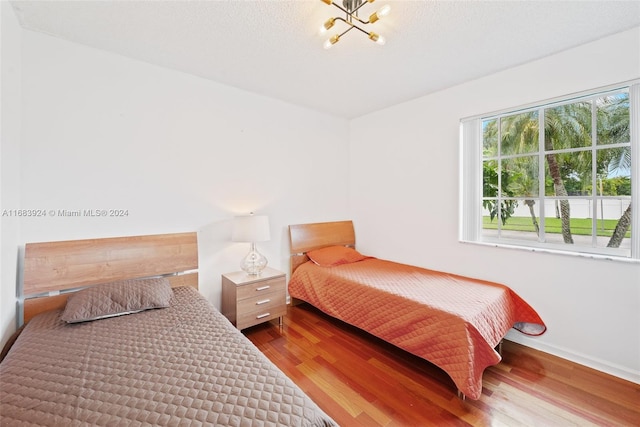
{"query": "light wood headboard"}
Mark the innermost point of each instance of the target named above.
(307, 237)
(66, 265)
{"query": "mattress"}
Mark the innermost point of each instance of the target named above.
(182, 365)
(453, 322)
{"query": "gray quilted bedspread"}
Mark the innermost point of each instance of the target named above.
(185, 365)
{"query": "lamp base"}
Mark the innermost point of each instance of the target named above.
(254, 262)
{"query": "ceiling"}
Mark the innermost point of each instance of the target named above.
(273, 47)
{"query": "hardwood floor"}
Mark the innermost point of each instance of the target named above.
(362, 381)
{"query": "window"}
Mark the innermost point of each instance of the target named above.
(557, 176)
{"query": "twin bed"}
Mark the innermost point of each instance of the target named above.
(139, 345)
(148, 351)
(452, 321)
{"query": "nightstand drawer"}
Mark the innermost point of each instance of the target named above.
(257, 289)
(259, 313)
(261, 303)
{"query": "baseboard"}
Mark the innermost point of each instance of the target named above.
(581, 359)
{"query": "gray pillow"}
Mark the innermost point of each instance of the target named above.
(116, 299)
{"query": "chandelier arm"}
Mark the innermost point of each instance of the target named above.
(351, 14)
(358, 28)
(351, 26)
(349, 29)
(360, 20)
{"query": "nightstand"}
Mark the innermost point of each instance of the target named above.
(249, 300)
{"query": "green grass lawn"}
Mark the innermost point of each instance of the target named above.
(579, 226)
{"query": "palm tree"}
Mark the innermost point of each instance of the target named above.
(566, 126)
(527, 185)
(520, 137)
(560, 190)
(613, 122)
(621, 229)
(622, 162)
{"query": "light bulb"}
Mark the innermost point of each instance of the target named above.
(384, 11)
(377, 38)
(327, 25)
(333, 40)
(327, 2)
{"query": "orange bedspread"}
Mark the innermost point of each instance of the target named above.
(452, 321)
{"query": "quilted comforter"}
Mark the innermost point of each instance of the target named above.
(452, 321)
(182, 365)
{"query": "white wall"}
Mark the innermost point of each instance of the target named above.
(180, 153)
(10, 119)
(403, 177)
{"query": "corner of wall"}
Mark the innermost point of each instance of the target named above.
(10, 136)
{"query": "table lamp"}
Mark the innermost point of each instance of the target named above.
(252, 228)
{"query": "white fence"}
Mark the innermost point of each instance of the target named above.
(580, 208)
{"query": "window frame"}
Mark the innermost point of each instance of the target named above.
(471, 175)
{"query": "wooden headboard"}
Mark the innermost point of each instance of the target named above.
(307, 237)
(52, 267)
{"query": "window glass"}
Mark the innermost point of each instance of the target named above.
(519, 133)
(569, 187)
(568, 126)
(573, 173)
(614, 117)
(490, 138)
(523, 224)
(522, 174)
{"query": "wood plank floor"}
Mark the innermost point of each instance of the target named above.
(362, 381)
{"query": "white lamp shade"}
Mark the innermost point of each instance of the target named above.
(251, 228)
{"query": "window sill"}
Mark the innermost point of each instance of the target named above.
(528, 248)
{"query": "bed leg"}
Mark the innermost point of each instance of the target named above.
(461, 396)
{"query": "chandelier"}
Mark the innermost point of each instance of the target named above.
(352, 20)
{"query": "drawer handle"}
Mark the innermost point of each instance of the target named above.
(262, 288)
(264, 301)
(261, 316)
